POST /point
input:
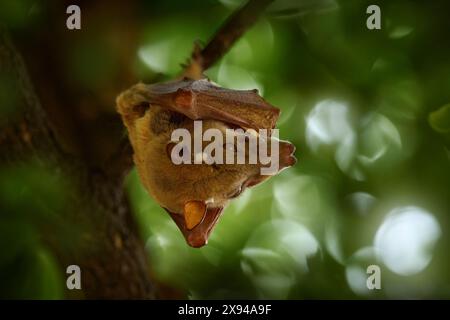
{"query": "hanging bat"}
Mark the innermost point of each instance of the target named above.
(195, 194)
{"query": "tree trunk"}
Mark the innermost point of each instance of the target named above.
(114, 263)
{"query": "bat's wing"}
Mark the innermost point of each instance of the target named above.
(200, 99)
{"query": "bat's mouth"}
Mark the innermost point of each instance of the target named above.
(198, 235)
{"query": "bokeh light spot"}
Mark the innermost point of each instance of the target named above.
(406, 238)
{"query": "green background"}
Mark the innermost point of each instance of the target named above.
(369, 113)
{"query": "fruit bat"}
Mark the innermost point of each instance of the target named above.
(194, 195)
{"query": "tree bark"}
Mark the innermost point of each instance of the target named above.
(113, 262)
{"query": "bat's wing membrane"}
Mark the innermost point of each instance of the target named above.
(200, 99)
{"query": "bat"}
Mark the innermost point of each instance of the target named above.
(195, 195)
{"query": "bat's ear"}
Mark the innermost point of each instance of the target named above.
(194, 213)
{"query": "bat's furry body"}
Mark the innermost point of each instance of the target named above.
(151, 113)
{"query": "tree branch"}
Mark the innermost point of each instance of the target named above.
(202, 59)
(233, 28)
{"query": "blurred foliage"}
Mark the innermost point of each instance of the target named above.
(369, 113)
(32, 203)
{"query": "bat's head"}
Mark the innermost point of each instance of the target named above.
(193, 194)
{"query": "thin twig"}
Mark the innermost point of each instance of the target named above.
(233, 28)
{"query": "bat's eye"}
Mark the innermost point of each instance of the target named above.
(235, 193)
(140, 109)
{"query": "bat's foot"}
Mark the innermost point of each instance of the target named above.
(194, 68)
